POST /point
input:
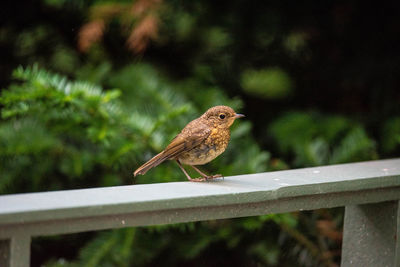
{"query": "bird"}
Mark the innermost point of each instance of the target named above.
(199, 142)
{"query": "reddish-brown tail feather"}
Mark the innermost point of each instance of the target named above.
(177, 146)
(153, 162)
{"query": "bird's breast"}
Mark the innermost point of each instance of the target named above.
(212, 147)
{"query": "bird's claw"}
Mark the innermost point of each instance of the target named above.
(214, 176)
(206, 178)
(198, 179)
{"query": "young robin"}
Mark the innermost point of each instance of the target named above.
(201, 141)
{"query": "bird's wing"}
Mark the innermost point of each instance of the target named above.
(189, 138)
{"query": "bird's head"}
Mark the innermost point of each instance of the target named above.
(221, 116)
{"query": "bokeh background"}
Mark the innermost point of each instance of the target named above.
(92, 89)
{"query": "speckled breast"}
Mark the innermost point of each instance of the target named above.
(211, 148)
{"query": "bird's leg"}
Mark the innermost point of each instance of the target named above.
(205, 175)
(188, 176)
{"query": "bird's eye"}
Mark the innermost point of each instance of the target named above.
(222, 116)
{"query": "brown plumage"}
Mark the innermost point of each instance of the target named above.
(201, 141)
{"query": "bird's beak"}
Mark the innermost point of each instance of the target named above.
(238, 116)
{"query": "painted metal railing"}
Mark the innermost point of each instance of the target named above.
(370, 191)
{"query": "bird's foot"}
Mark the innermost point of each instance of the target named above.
(201, 179)
(206, 178)
(215, 176)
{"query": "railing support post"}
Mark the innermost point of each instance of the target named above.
(15, 252)
(370, 235)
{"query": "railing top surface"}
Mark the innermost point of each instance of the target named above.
(34, 207)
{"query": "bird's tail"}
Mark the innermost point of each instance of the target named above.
(153, 162)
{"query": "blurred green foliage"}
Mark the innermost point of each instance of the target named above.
(317, 81)
(267, 83)
(56, 128)
(315, 139)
